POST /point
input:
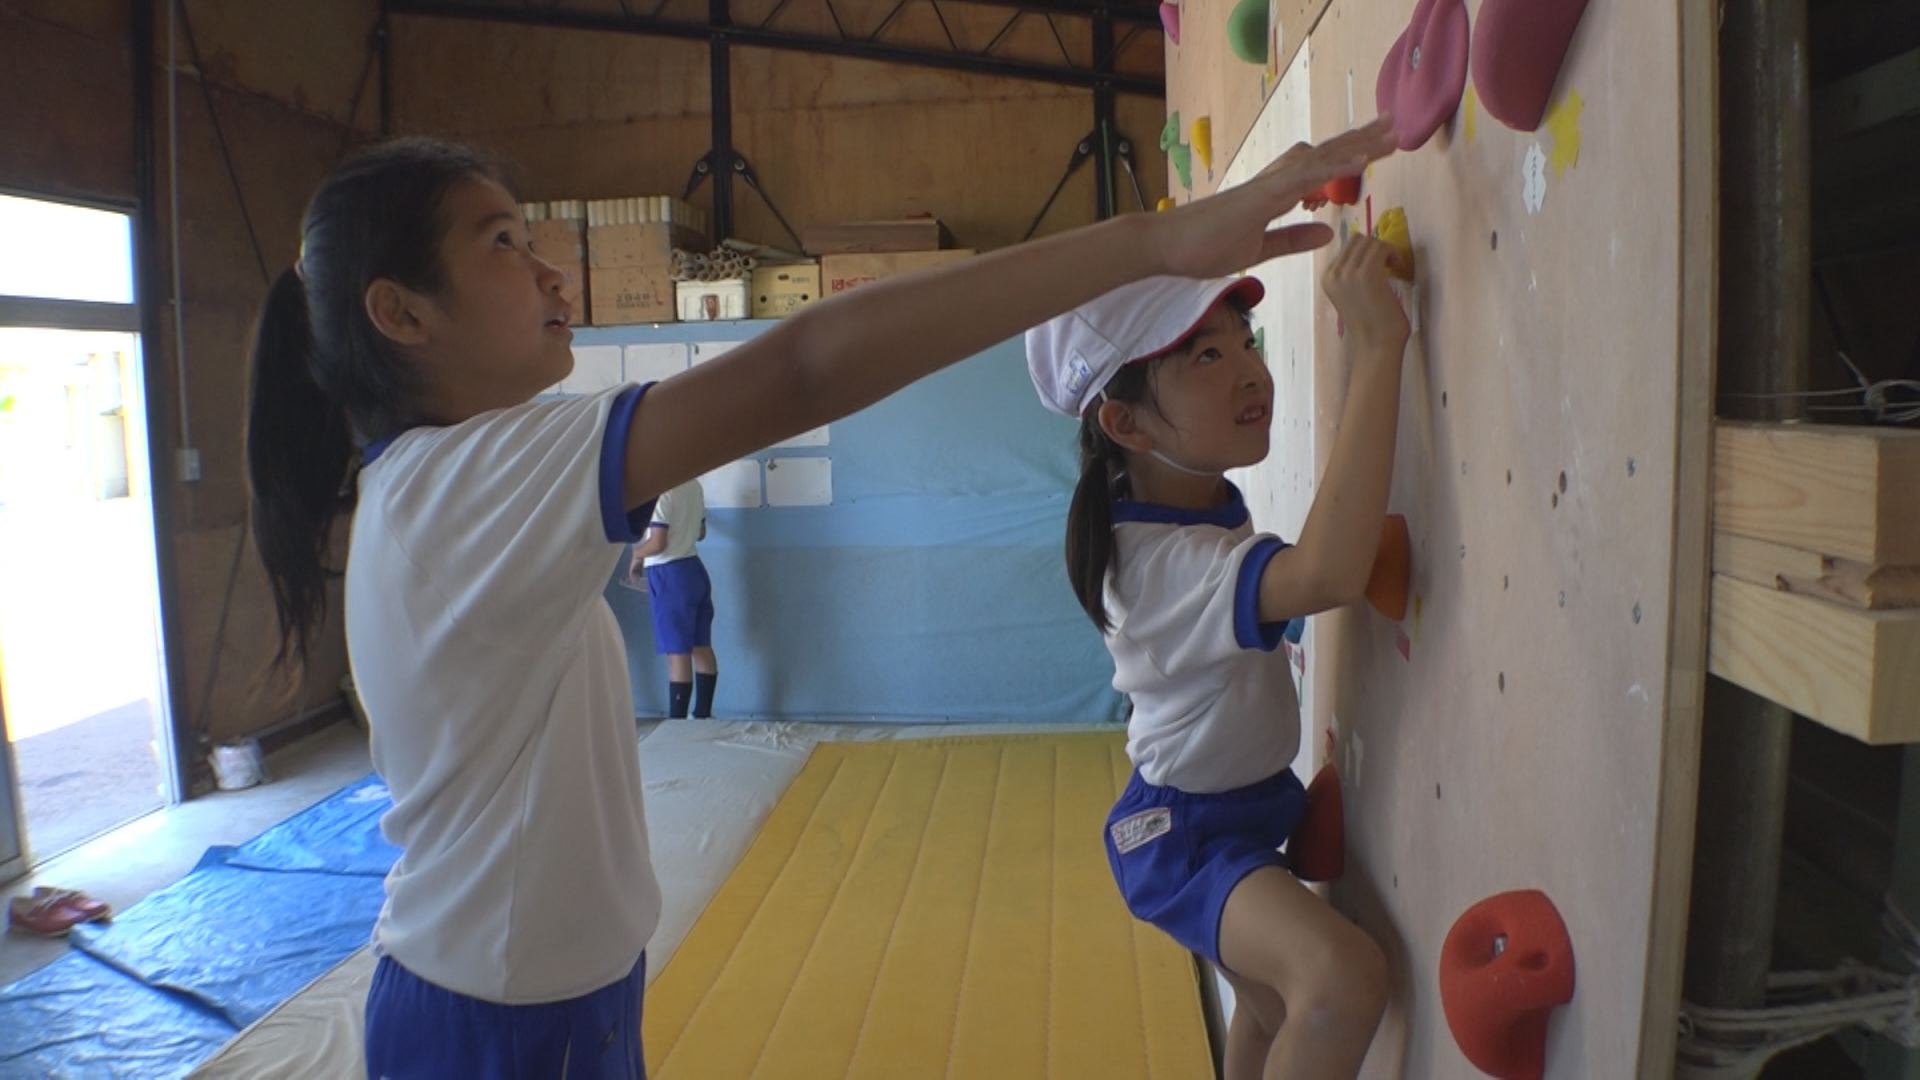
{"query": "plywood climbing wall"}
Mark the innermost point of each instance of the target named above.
(1207, 82)
(1533, 724)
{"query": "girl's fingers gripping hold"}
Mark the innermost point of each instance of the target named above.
(1357, 284)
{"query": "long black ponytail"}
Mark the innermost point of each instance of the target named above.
(1090, 550)
(324, 379)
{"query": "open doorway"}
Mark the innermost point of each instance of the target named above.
(81, 691)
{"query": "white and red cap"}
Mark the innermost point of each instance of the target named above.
(1074, 356)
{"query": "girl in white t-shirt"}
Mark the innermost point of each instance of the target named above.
(394, 376)
(1171, 393)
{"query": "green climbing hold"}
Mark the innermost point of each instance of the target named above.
(1170, 135)
(1260, 342)
(1182, 157)
(1247, 31)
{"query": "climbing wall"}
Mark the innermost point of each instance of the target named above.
(1533, 722)
(1208, 84)
(1279, 491)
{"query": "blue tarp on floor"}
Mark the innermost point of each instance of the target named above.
(339, 835)
(239, 941)
(77, 1019)
(172, 978)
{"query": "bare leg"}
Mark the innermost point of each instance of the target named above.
(680, 667)
(1331, 976)
(1257, 1016)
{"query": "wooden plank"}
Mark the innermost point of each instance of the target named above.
(1850, 492)
(1697, 154)
(1857, 672)
(1776, 566)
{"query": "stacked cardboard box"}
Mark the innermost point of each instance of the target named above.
(862, 252)
(779, 291)
(630, 244)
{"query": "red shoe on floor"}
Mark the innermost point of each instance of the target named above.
(54, 912)
(92, 910)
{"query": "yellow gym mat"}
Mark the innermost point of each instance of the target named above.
(926, 909)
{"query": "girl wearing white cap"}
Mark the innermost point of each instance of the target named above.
(1171, 393)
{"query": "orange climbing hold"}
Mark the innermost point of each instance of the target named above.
(1392, 570)
(1506, 964)
(1317, 851)
(1344, 191)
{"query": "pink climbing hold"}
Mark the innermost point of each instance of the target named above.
(1170, 21)
(1518, 47)
(1425, 71)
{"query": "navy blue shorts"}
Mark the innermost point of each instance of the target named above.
(682, 606)
(418, 1030)
(1177, 856)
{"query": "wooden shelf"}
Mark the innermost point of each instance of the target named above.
(1854, 670)
(1846, 492)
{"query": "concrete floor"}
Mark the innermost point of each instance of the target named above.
(80, 780)
(125, 865)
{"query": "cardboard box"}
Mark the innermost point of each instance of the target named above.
(630, 271)
(634, 294)
(838, 273)
(779, 291)
(563, 243)
(711, 301)
(618, 247)
(873, 237)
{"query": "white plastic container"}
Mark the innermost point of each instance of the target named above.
(711, 301)
(238, 765)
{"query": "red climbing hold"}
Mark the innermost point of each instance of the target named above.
(1505, 965)
(1518, 47)
(1342, 192)
(1317, 851)
(1425, 72)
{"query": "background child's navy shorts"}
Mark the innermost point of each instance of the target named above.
(1176, 856)
(682, 606)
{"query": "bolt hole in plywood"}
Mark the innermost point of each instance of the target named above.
(1574, 341)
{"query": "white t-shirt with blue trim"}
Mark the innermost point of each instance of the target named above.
(1214, 707)
(495, 679)
(683, 513)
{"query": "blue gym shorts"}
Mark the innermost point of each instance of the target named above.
(682, 606)
(418, 1030)
(1176, 856)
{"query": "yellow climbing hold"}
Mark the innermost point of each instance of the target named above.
(1392, 229)
(1166, 203)
(1203, 141)
(1470, 113)
(1563, 119)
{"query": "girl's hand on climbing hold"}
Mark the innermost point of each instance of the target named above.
(1358, 285)
(1230, 231)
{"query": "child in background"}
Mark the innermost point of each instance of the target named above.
(682, 598)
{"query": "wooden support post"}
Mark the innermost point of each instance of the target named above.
(1766, 268)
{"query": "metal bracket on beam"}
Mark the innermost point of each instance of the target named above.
(1083, 151)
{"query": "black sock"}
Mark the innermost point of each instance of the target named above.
(678, 695)
(703, 696)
